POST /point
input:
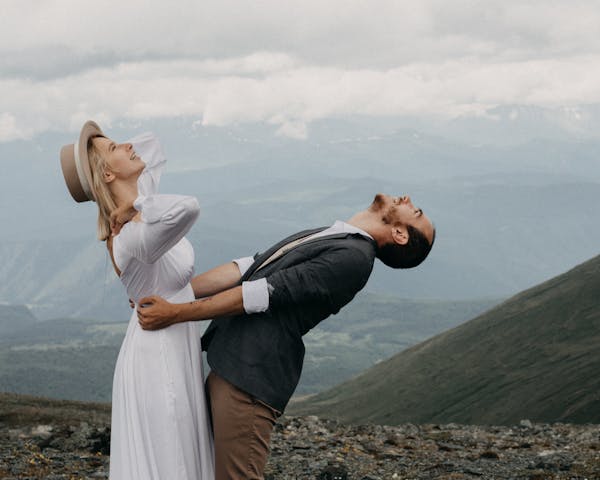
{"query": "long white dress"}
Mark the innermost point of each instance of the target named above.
(160, 422)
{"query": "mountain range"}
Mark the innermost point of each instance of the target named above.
(73, 358)
(534, 356)
(495, 206)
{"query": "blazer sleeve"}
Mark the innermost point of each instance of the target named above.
(165, 221)
(330, 279)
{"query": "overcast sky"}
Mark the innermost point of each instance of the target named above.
(288, 63)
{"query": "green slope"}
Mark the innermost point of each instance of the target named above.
(535, 356)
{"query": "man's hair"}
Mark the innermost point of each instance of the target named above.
(409, 255)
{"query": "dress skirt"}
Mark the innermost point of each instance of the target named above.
(160, 420)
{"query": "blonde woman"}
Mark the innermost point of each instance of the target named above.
(160, 422)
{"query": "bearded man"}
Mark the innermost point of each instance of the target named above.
(261, 307)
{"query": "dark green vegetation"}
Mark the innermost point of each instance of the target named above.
(61, 358)
(371, 329)
(25, 410)
(75, 358)
(535, 356)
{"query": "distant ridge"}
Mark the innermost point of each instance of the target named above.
(14, 318)
(535, 356)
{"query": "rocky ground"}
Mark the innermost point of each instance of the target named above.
(70, 441)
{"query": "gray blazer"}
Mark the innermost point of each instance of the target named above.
(262, 353)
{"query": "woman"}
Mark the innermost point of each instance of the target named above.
(160, 422)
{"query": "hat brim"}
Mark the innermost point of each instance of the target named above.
(77, 171)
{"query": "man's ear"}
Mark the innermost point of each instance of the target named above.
(400, 234)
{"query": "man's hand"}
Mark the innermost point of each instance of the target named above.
(120, 217)
(155, 313)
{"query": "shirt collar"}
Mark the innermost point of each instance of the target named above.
(344, 227)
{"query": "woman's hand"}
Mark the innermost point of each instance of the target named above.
(155, 313)
(121, 216)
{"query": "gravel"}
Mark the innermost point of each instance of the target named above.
(313, 448)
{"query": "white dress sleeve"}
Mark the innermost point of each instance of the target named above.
(165, 218)
(148, 148)
(165, 221)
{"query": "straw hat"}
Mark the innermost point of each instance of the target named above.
(76, 164)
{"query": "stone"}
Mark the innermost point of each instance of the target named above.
(490, 454)
(318, 448)
(42, 431)
(333, 472)
(526, 423)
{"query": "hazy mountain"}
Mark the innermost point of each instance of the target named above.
(15, 318)
(74, 358)
(509, 213)
(535, 356)
(494, 239)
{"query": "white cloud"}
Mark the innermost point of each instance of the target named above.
(9, 129)
(350, 33)
(286, 63)
(281, 90)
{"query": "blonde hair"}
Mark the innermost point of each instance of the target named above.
(102, 195)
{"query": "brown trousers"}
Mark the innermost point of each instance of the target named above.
(242, 428)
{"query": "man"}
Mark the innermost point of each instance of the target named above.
(262, 307)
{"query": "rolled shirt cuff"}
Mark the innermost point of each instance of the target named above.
(244, 264)
(255, 295)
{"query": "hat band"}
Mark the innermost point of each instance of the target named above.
(80, 173)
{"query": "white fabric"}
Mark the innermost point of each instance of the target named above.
(160, 423)
(339, 227)
(255, 293)
(255, 296)
(244, 264)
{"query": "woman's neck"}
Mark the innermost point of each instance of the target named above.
(124, 193)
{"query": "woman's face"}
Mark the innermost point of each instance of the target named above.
(121, 159)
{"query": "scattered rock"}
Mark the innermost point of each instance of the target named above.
(313, 448)
(526, 424)
(42, 431)
(490, 454)
(333, 472)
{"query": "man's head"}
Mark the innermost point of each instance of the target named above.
(405, 233)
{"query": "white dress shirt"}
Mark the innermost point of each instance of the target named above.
(255, 293)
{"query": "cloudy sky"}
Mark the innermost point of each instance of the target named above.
(288, 63)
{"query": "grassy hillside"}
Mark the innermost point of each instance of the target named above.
(535, 356)
(371, 329)
(25, 410)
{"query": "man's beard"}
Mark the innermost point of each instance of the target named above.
(388, 217)
(379, 206)
(378, 203)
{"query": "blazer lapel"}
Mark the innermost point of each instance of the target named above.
(258, 261)
(264, 256)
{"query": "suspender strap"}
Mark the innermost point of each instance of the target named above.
(283, 250)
